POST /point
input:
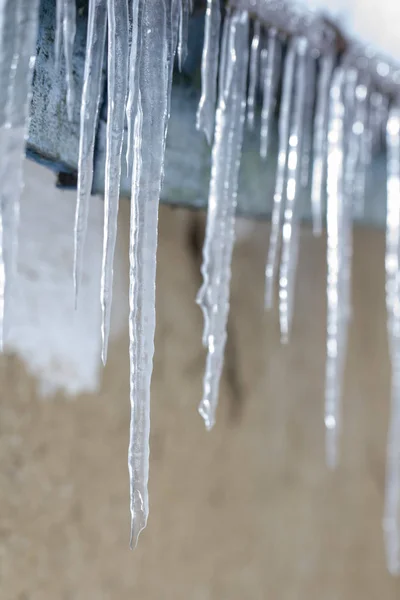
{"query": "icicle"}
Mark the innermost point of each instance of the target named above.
(209, 68)
(139, 427)
(69, 30)
(283, 126)
(91, 95)
(58, 34)
(319, 142)
(271, 59)
(132, 85)
(253, 74)
(118, 52)
(183, 31)
(218, 248)
(335, 249)
(19, 37)
(308, 119)
(290, 231)
(359, 137)
(148, 169)
(391, 521)
(204, 297)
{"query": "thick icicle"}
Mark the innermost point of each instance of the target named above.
(271, 58)
(253, 74)
(391, 521)
(336, 316)
(118, 52)
(319, 142)
(209, 69)
(219, 243)
(148, 170)
(91, 95)
(19, 52)
(283, 126)
(69, 30)
(290, 233)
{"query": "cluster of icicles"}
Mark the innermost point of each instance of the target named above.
(331, 119)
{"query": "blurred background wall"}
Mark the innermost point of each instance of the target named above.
(248, 511)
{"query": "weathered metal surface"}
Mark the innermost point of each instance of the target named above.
(53, 140)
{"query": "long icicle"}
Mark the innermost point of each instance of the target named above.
(23, 17)
(271, 57)
(283, 126)
(69, 31)
(118, 52)
(209, 69)
(391, 519)
(253, 74)
(148, 171)
(335, 240)
(91, 96)
(222, 204)
(290, 226)
(319, 141)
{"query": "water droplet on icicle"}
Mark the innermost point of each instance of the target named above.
(91, 96)
(391, 520)
(118, 52)
(290, 232)
(283, 128)
(209, 69)
(217, 254)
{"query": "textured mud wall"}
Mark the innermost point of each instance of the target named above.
(246, 512)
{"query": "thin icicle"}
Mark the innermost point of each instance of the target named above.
(91, 96)
(319, 142)
(306, 152)
(183, 31)
(138, 420)
(209, 69)
(335, 242)
(118, 52)
(271, 59)
(204, 297)
(391, 520)
(253, 74)
(58, 41)
(360, 136)
(219, 243)
(21, 17)
(153, 86)
(283, 126)
(69, 31)
(132, 85)
(290, 231)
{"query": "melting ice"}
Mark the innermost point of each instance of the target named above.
(332, 113)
